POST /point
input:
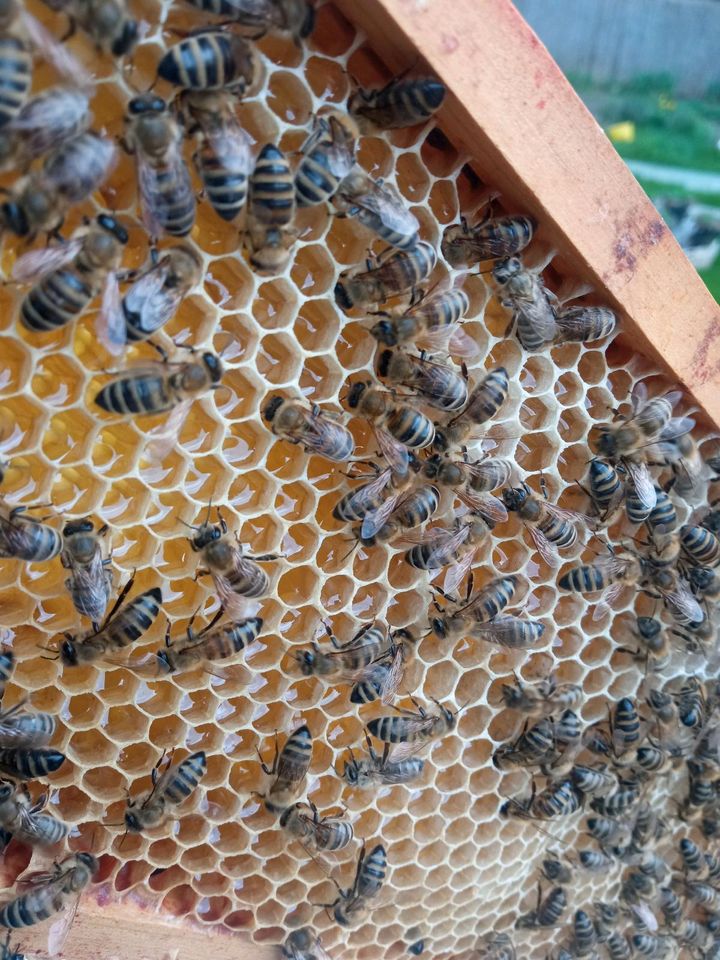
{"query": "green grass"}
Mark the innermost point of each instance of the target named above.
(653, 189)
(711, 277)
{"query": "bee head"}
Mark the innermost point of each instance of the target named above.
(68, 653)
(206, 533)
(433, 466)
(342, 297)
(384, 362)
(146, 103)
(440, 441)
(129, 36)
(272, 407)
(6, 791)
(648, 627)
(15, 219)
(350, 772)
(163, 661)
(433, 92)
(213, 365)
(113, 227)
(505, 809)
(514, 497)
(308, 24)
(605, 441)
(384, 331)
(306, 661)
(356, 393)
(507, 269)
(439, 627)
(700, 578)
(132, 823)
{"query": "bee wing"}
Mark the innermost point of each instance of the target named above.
(540, 316)
(682, 600)
(150, 301)
(450, 339)
(643, 482)
(90, 579)
(564, 514)
(38, 263)
(458, 571)
(319, 433)
(55, 53)
(235, 606)
(610, 594)
(232, 146)
(645, 915)
(394, 452)
(59, 930)
(341, 153)
(111, 327)
(546, 549)
(393, 677)
(446, 543)
(375, 519)
(677, 427)
(166, 435)
(638, 396)
(485, 503)
(369, 491)
(386, 203)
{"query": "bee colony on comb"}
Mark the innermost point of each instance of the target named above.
(358, 573)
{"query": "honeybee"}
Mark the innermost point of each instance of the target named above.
(435, 320)
(397, 426)
(43, 123)
(223, 157)
(68, 277)
(25, 819)
(271, 208)
(414, 726)
(122, 626)
(289, 770)
(701, 545)
(663, 517)
(234, 574)
(550, 526)
(89, 583)
(70, 173)
(50, 892)
(303, 944)
(547, 912)
(375, 770)
(175, 785)
(437, 384)
(24, 538)
(484, 607)
(107, 23)
(400, 103)
(157, 292)
(211, 645)
(160, 387)
(485, 400)
(605, 488)
(593, 781)
(20, 730)
(439, 547)
(559, 799)
(491, 239)
(314, 832)
(213, 59)
(584, 937)
(496, 946)
(379, 207)
(393, 274)
(328, 156)
(295, 17)
(31, 763)
(397, 514)
(351, 905)
(316, 430)
(532, 304)
(154, 137)
(472, 482)
(533, 747)
(543, 697)
(369, 497)
(654, 643)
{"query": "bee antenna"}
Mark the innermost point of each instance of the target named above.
(355, 545)
(190, 526)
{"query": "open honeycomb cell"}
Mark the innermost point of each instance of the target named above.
(457, 869)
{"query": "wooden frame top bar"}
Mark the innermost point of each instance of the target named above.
(530, 136)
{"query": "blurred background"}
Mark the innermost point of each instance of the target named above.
(649, 71)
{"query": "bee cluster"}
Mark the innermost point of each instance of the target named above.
(228, 195)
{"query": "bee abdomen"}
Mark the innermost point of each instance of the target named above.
(136, 618)
(604, 482)
(139, 394)
(663, 516)
(585, 579)
(314, 183)
(28, 764)
(55, 301)
(174, 202)
(272, 192)
(558, 531)
(15, 76)
(338, 836)
(389, 729)
(226, 189)
(700, 544)
(411, 428)
(187, 776)
(207, 61)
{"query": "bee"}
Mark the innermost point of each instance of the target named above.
(584, 324)
(616, 833)
(512, 632)
(550, 526)
(71, 172)
(30, 763)
(606, 487)
(369, 644)
(175, 785)
(271, 209)
(472, 482)
(89, 583)
(653, 758)
(595, 860)
(314, 429)
(547, 912)
(584, 937)
(436, 384)
(618, 802)
(24, 538)
(411, 726)
(397, 426)
(534, 746)
(122, 626)
(212, 59)
(542, 697)
(50, 892)
(369, 497)
(158, 291)
(400, 103)
(26, 821)
(484, 607)
(289, 770)
(379, 207)
(375, 771)
(532, 305)
(42, 124)
(67, 278)
(440, 547)
(704, 583)
(560, 799)
(393, 274)
(491, 239)
(417, 948)
(662, 518)
(640, 497)
(24, 730)
(617, 945)
(314, 832)
(434, 319)
(397, 514)
(303, 944)
(700, 545)
(154, 137)
(692, 703)
(496, 946)
(654, 643)
(234, 574)
(295, 17)
(593, 781)
(692, 856)
(351, 905)
(210, 645)
(484, 402)
(625, 725)
(145, 391)
(328, 156)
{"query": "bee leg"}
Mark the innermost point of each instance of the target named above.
(121, 596)
(158, 349)
(268, 556)
(71, 30)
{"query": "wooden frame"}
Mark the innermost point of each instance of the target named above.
(514, 112)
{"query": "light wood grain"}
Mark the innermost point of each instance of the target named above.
(530, 136)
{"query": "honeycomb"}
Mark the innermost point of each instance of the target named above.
(457, 869)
